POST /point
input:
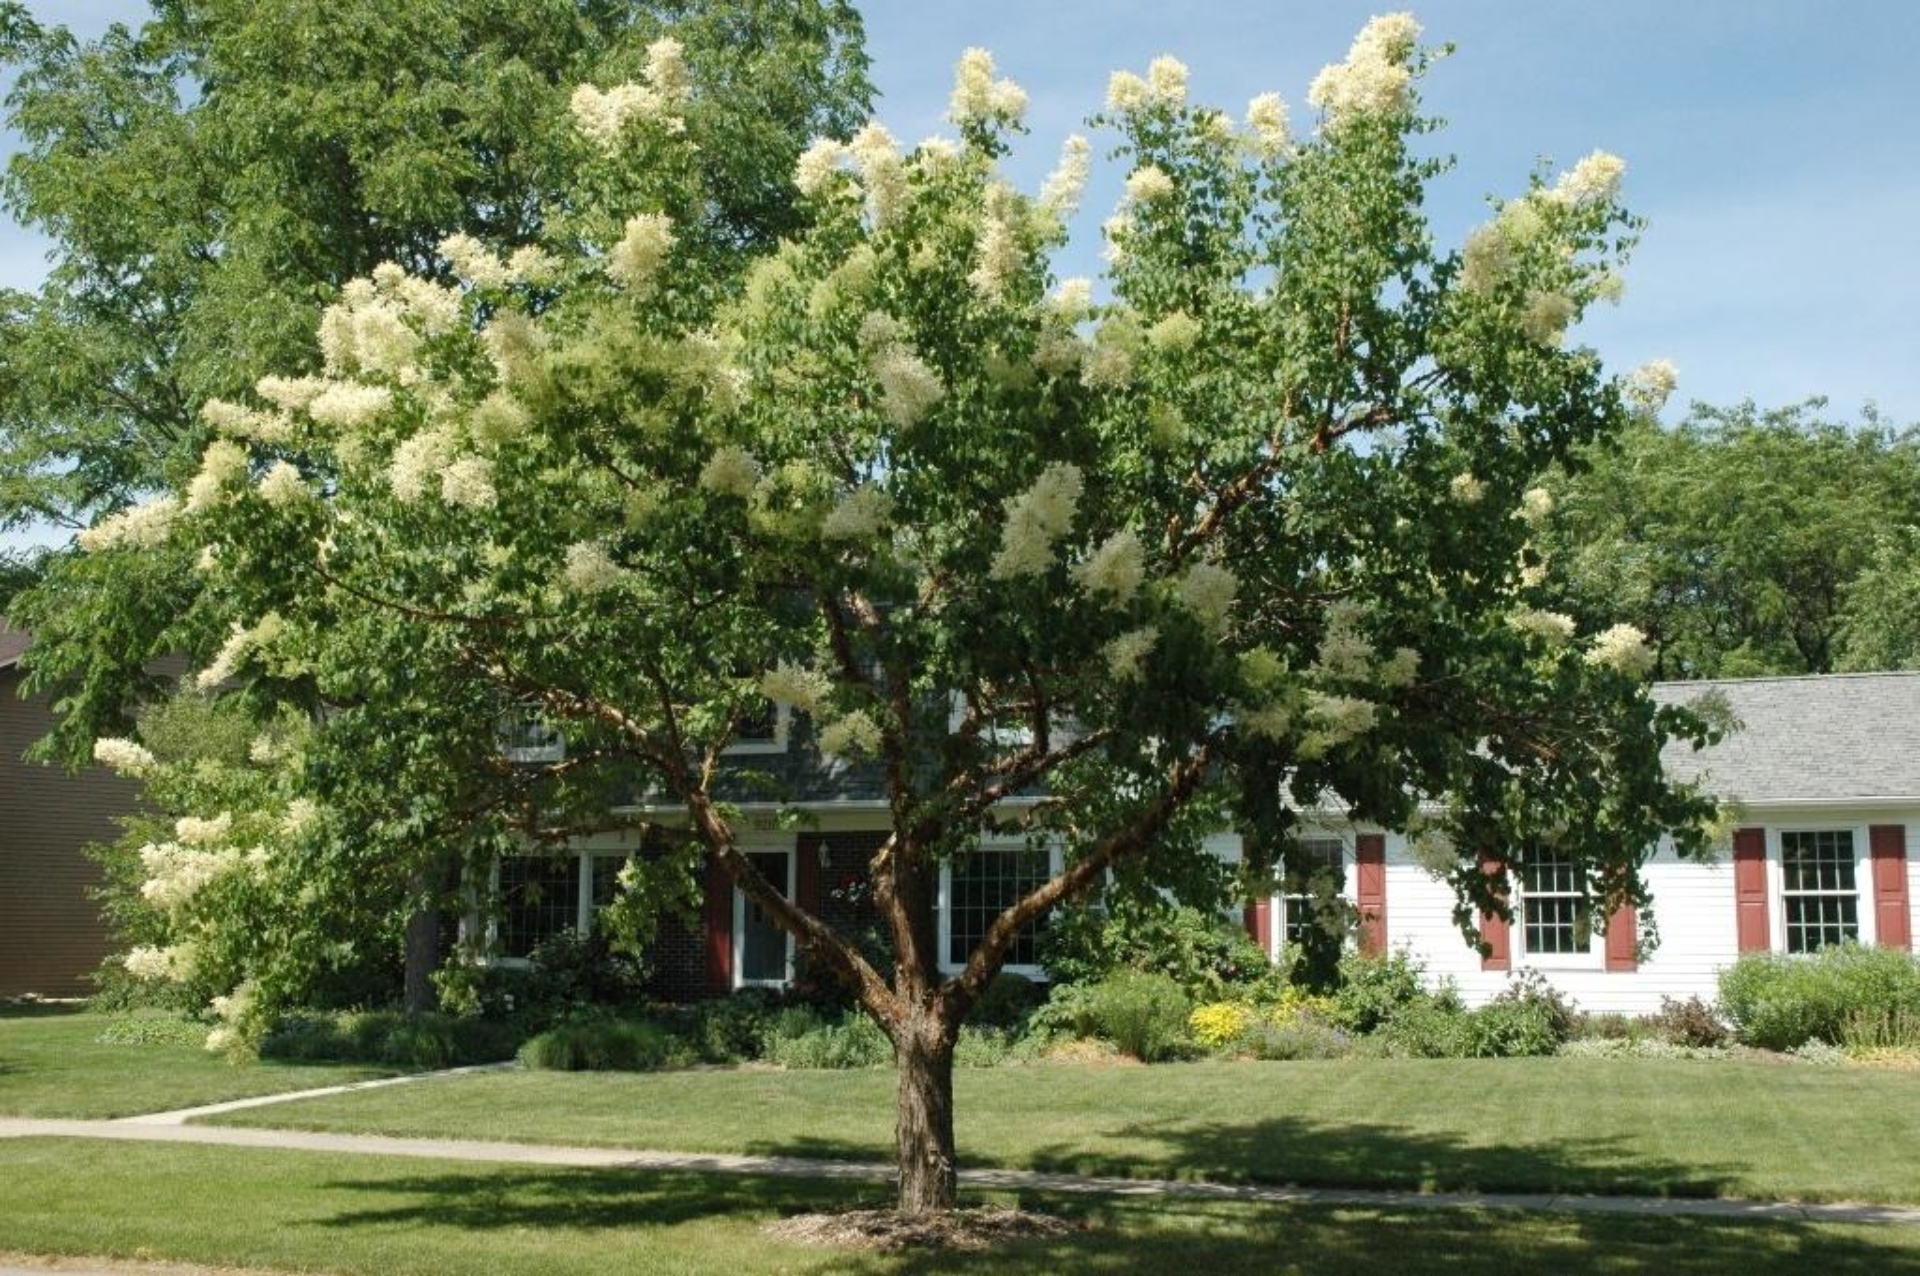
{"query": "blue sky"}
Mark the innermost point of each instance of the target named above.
(1772, 146)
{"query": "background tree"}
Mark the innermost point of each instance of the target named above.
(1735, 538)
(1247, 540)
(1880, 626)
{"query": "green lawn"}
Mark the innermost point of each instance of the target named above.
(53, 1065)
(393, 1217)
(1574, 1125)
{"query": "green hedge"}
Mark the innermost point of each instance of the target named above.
(1779, 1001)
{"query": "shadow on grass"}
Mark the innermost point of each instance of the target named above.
(40, 1009)
(1288, 1151)
(1128, 1237)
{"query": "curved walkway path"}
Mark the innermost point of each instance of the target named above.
(171, 1128)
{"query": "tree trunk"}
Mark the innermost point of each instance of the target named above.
(923, 1052)
(422, 956)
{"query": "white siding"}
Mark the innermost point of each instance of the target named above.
(1913, 883)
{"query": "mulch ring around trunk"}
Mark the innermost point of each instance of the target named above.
(965, 1231)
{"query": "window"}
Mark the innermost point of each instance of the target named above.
(980, 886)
(763, 730)
(526, 737)
(539, 898)
(1818, 891)
(1327, 876)
(1555, 917)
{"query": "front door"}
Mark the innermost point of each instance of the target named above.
(763, 953)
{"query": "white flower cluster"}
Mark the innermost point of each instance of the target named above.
(302, 814)
(1466, 488)
(176, 874)
(882, 172)
(468, 484)
(1338, 720)
(1148, 184)
(1176, 333)
(222, 466)
(240, 643)
(730, 471)
(1127, 654)
(1490, 252)
(590, 569)
(1594, 180)
(603, 117)
(238, 421)
(978, 98)
(1269, 721)
(1546, 317)
(1551, 626)
(861, 515)
(1399, 669)
(797, 686)
(230, 1010)
(1345, 652)
(514, 345)
(147, 962)
(379, 322)
(1268, 135)
(818, 165)
(1536, 506)
(1060, 193)
(998, 257)
(1208, 591)
(418, 461)
(1623, 648)
(1374, 78)
(1165, 85)
(122, 755)
(474, 262)
(282, 485)
(147, 525)
(1036, 519)
(1072, 300)
(852, 735)
(1652, 384)
(637, 258)
(908, 387)
(1115, 569)
(349, 405)
(192, 830)
(499, 418)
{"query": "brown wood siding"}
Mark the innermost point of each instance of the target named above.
(51, 934)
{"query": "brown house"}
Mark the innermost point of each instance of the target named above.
(51, 933)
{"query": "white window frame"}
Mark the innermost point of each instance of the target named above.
(582, 906)
(1277, 907)
(788, 846)
(1056, 861)
(1594, 958)
(554, 750)
(782, 726)
(1863, 908)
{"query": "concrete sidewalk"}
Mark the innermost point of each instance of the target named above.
(145, 1130)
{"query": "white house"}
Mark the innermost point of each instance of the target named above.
(1825, 770)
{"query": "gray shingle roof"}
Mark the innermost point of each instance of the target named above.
(1833, 738)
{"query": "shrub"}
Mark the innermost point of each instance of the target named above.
(1299, 1036)
(1611, 1027)
(1431, 1028)
(729, 1029)
(1778, 1002)
(1007, 1001)
(384, 1036)
(600, 1044)
(983, 1047)
(1219, 1024)
(1688, 1023)
(801, 1038)
(1143, 1014)
(153, 1030)
(1208, 956)
(1373, 990)
(1635, 1048)
(1528, 1018)
(1884, 1032)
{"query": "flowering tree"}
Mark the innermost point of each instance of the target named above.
(1247, 537)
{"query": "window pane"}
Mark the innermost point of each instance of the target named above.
(981, 886)
(539, 898)
(1553, 916)
(1297, 905)
(1818, 861)
(1820, 896)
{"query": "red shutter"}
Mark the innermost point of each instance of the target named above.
(1750, 889)
(1370, 865)
(1494, 928)
(719, 930)
(1623, 939)
(1259, 919)
(1892, 918)
(806, 873)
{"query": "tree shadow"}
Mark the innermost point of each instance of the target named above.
(1352, 1154)
(40, 1009)
(1133, 1237)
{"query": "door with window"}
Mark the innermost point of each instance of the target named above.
(762, 952)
